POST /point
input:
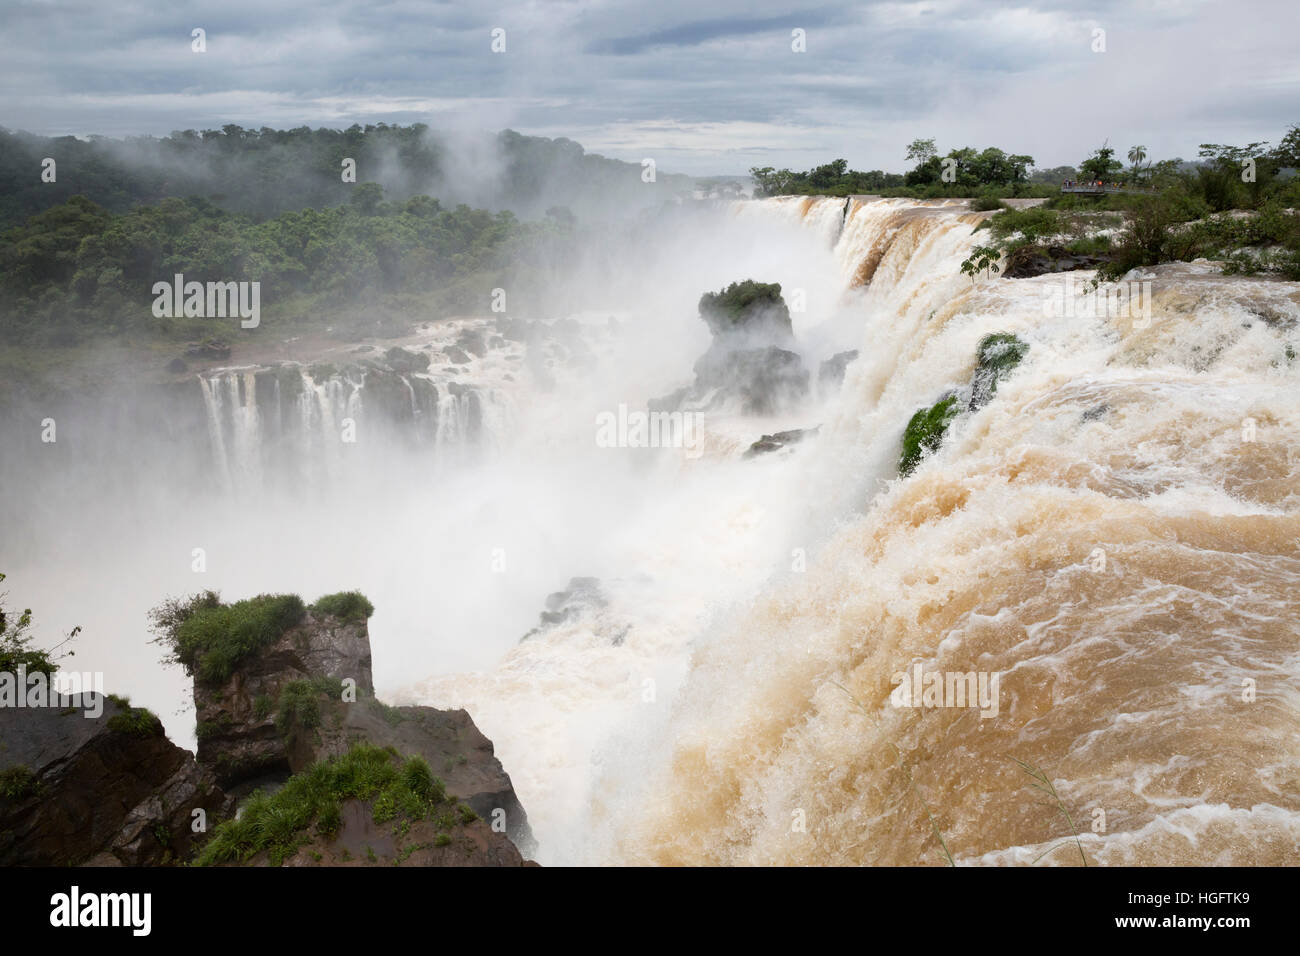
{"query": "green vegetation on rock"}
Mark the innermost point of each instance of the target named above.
(209, 638)
(350, 606)
(299, 705)
(134, 721)
(743, 305)
(17, 783)
(925, 432)
(279, 823)
(996, 356)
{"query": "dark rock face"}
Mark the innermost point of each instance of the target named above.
(750, 361)
(210, 350)
(248, 737)
(583, 597)
(237, 731)
(362, 842)
(1029, 261)
(779, 440)
(404, 361)
(765, 380)
(473, 342)
(99, 794)
(831, 372)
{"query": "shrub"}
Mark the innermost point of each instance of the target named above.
(987, 203)
(925, 432)
(300, 702)
(210, 638)
(17, 783)
(1034, 225)
(134, 721)
(350, 606)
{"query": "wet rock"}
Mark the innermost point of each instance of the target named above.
(404, 362)
(107, 787)
(472, 341)
(582, 597)
(779, 440)
(209, 350)
(1029, 261)
(831, 372)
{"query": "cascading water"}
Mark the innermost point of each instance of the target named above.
(292, 423)
(1113, 535)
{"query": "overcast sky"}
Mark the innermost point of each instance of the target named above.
(701, 87)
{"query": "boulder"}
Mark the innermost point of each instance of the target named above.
(779, 440)
(110, 789)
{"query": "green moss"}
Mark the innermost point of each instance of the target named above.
(996, 356)
(17, 783)
(210, 638)
(278, 824)
(350, 606)
(442, 839)
(925, 432)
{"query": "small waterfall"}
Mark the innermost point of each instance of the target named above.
(292, 427)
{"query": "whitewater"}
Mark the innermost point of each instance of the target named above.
(1114, 535)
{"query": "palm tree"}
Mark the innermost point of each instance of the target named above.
(1135, 156)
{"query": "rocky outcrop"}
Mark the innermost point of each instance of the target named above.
(779, 440)
(764, 380)
(831, 372)
(109, 789)
(1029, 261)
(583, 599)
(310, 696)
(749, 365)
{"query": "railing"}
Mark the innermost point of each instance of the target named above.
(1099, 189)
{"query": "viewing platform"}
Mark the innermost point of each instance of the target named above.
(1101, 189)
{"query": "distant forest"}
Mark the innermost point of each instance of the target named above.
(431, 223)
(265, 172)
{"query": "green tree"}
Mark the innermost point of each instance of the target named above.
(921, 151)
(1101, 166)
(1135, 156)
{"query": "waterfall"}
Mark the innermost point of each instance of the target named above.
(290, 426)
(1112, 536)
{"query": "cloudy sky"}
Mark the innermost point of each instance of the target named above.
(702, 87)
